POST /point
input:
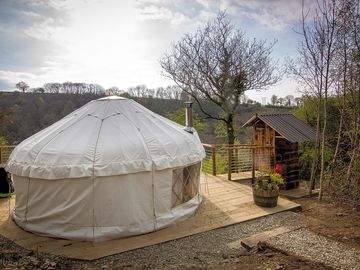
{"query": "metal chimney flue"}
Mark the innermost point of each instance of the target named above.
(189, 117)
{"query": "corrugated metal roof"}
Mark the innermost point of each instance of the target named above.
(287, 125)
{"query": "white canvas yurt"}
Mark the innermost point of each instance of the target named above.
(110, 169)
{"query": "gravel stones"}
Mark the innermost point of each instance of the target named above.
(205, 250)
(214, 249)
(318, 248)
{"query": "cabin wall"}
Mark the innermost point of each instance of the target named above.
(264, 136)
(287, 154)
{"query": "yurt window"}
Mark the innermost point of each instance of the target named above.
(185, 184)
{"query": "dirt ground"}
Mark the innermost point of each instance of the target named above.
(338, 222)
(332, 220)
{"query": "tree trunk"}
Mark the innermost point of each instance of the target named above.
(231, 140)
(342, 111)
(322, 164)
(317, 150)
(354, 151)
(334, 159)
(230, 129)
(350, 166)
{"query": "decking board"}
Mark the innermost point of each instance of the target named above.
(225, 203)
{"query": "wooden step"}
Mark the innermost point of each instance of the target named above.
(252, 241)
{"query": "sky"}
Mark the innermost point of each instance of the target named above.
(119, 43)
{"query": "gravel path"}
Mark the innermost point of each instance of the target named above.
(209, 250)
(205, 250)
(318, 248)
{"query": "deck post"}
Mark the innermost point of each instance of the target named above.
(253, 166)
(235, 159)
(229, 162)
(213, 154)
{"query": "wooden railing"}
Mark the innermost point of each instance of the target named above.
(238, 158)
(5, 151)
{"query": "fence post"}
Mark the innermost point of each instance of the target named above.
(235, 159)
(253, 166)
(229, 162)
(213, 154)
(1, 154)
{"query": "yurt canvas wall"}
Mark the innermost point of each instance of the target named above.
(110, 169)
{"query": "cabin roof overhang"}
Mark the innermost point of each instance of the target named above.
(286, 124)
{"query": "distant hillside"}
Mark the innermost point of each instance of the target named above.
(22, 115)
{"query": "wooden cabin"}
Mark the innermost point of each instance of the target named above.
(280, 134)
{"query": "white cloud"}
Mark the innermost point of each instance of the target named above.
(118, 43)
(176, 13)
(276, 15)
(8, 79)
(42, 30)
(161, 13)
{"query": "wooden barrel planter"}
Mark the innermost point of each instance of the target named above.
(265, 198)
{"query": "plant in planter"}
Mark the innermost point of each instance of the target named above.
(266, 190)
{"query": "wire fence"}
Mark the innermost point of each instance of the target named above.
(235, 160)
(244, 160)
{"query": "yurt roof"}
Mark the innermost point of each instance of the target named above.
(108, 136)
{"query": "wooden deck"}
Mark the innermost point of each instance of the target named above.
(224, 203)
(241, 176)
(297, 193)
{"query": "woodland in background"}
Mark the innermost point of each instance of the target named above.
(24, 114)
(140, 91)
(328, 66)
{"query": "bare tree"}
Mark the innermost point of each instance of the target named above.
(324, 29)
(67, 87)
(160, 92)
(142, 90)
(23, 86)
(114, 91)
(218, 63)
(53, 87)
(243, 99)
(342, 59)
(132, 91)
(73, 88)
(298, 101)
(274, 100)
(150, 92)
(316, 54)
(137, 91)
(281, 101)
(289, 100)
(174, 91)
(38, 90)
(350, 13)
